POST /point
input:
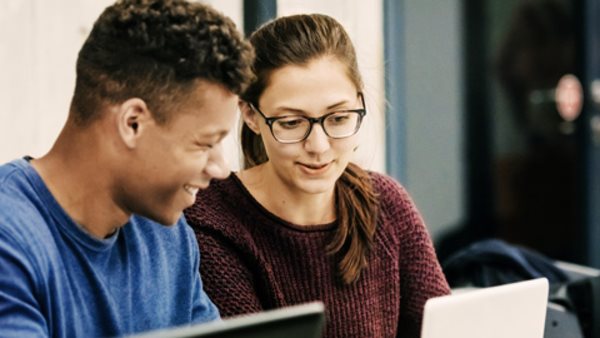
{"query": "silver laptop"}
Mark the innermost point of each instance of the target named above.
(516, 310)
(300, 321)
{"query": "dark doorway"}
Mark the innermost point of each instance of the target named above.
(525, 153)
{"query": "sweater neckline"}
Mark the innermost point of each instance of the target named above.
(276, 220)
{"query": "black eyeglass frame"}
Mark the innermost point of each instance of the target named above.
(312, 120)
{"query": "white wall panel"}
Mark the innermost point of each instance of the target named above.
(39, 41)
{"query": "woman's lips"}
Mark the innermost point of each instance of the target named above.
(314, 168)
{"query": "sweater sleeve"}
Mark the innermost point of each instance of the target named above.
(421, 276)
(228, 281)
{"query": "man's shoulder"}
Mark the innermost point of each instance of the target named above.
(23, 221)
(16, 195)
(11, 173)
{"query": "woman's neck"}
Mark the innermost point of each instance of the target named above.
(284, 201)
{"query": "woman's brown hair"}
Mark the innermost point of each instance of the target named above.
(297, 40)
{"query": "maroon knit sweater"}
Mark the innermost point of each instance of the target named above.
(253, 260)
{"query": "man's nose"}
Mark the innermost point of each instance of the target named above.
(217, 167)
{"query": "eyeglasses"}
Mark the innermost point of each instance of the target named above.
(296, 128)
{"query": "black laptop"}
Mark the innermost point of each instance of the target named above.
(300, 321)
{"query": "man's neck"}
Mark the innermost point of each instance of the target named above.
(73, 172)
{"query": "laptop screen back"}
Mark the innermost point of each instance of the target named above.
(301, 321)
(516, 310)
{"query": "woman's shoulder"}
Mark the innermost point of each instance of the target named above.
(388, 188)
(395, 203)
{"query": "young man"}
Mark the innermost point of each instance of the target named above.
(92, 239)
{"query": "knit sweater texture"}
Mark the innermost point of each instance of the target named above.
(253, 260)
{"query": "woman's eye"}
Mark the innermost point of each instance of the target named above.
(339, 118)
(291, 123)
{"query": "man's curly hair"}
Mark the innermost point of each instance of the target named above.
(156, 50)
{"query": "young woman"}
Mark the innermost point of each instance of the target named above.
(300, 222)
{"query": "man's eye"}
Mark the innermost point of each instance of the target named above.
(205, 146)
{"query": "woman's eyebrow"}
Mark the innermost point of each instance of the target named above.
(289, 109)
(297, 110)
(343, 102)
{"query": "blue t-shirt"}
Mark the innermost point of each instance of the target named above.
(58, 281)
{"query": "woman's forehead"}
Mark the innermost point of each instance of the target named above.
(322, 82)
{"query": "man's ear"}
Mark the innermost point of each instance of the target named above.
(250, 116)
(133, 117)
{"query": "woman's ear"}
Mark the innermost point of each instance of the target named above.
(250, 116)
